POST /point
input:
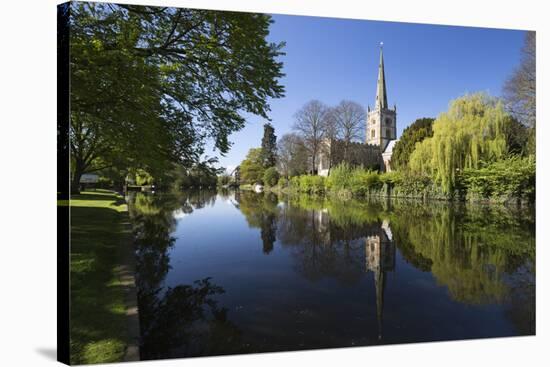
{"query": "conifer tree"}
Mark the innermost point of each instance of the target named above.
(269, 147)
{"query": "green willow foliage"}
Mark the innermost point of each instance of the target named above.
(474, 130)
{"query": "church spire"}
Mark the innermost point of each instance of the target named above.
(381, 97)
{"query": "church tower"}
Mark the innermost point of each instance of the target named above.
(381, 121)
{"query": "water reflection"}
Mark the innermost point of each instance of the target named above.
(380, 254)
(186, 319)
(257, 272)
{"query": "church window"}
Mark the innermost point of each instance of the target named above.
(388, 133)
(373, 133)
(388, 121)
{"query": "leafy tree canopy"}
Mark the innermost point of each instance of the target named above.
(414, 133)
(475, 130)
(271, 176)
(150, 85)
(251, 168)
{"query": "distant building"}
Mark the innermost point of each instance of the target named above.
(381, 135)
(89, 178)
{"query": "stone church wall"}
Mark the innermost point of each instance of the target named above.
(335, 152)
(356, 154)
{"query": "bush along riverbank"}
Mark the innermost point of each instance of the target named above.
(510, 180)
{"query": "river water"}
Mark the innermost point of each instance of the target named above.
(225, 272)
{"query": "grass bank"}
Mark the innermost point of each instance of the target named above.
(100, 243)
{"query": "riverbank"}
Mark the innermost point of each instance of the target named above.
(104, 319)
(386, 193)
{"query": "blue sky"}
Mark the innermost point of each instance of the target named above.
(426, 67)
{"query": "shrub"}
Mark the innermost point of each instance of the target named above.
(318, 184)
(312, 184)
(391, 178)
(502, 180)
(340, 177)
(283, 182)
(413, 185)
(362, 181)
(271, 176)
(356, 180)
(294, 183)
(309, 184)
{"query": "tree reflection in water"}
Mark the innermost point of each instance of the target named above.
(184, 320)
(261, 211)
(481, 255)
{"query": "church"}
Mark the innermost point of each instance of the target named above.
(381, 136)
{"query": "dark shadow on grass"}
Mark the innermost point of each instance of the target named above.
(98, 242)
(119, 201)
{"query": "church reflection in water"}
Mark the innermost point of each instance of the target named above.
(312, 261)
(379, 254)
(380, 258)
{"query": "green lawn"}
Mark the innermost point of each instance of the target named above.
(100, 240)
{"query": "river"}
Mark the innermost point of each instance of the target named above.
(240, 272)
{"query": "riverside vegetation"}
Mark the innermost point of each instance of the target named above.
(507, 180)
(476, 151)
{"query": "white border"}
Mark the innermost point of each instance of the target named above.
(28, 173)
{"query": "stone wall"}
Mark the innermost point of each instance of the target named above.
(356, 154)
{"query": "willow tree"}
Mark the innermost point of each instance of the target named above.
(475, 130)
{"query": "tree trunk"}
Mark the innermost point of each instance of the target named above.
(313, 168)
(75, 183)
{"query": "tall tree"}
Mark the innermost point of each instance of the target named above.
(150, 85)
(251, 168)
(269, 146)
(349, 118)
(292, 157)
(311, 124)
(520, 90)
(413, 134)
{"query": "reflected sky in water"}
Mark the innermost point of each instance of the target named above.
(224, 273)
